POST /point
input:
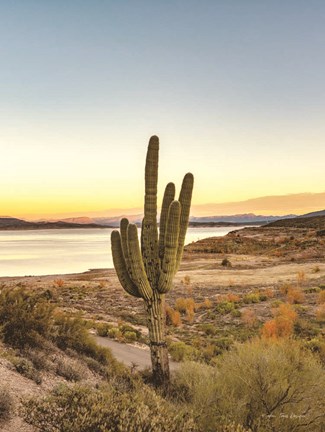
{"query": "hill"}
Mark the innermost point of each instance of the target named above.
(314, 222)
(9, 223)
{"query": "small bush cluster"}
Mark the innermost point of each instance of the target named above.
(123, 333)
(186, 306)
(180, 351)
(283, 323)
(173, 317)
(71, 332)
(295, 295)
(26, 368)
(252, 298)
(25, 318)
(6, 403)
(225, 307)
(85, 409)
(72, 370)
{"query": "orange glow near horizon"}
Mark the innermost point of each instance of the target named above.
(64, 207)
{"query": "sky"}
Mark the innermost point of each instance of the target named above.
(234, 89)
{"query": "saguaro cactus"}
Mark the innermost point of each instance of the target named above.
(148, 273)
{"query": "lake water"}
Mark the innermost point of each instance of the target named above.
(60, 251)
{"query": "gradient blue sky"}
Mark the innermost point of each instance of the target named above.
(234, 89)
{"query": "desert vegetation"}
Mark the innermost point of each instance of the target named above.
(248, 340)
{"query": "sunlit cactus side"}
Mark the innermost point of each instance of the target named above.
(148, 272)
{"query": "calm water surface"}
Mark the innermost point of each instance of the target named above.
(63, 251)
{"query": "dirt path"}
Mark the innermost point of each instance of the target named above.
(130, 355)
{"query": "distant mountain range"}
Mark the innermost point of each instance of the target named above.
(240, 219)
(10, 223)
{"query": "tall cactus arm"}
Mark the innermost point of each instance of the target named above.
(171, 246)
(120, 266)
(138, 272)
(169, 196)
(185, 198)
(124, 241)
(149, 240)
(151, 180)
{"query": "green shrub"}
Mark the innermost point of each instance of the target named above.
(225, 307)
(209, 329)
(72, 333)
(130, 336)
(262, 385)
(103, 329)
(26, 368)
(195, 384)
(317, 346)
(179, 351)
(6, 403)
(251, 298)
(85, 409)
(39, 359)
(25, 318)
(72, 370)
(115, 333)
(312, 290)
(271, 385)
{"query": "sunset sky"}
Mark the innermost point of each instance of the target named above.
(234, 89)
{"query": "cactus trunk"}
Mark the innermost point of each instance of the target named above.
(156, 317)
(149, 272)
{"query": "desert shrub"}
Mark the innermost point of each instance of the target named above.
(186, 306)
(85, 409)
(225, 262)
(236, 313)
(25, 318)
(6, 403)
(251, 298)
(301, 277)
(233, 298)
(59, 283)
(225, 307)
(224, 343)
(126, 329)
(283, 323)
(195, 384)
(262, 385)
(255, 392)
(305, 329)
(285, 288)
(317, 346)
(72, 333)
(295, 296)
(130, 336)
(268, 292)
(312, 290)
(249, 318)
(26, 368)
(208, 329)
(186, 280)
(38, 358)
(102, 329)
(180, 351)
(72, 370)
(115, 333)
(173, 317)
